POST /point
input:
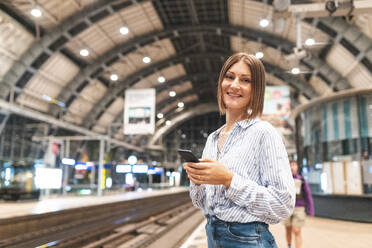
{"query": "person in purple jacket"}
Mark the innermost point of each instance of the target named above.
(304, 206)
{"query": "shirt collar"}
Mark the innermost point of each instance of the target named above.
(248, 122)
(217, 132)
(242, 124)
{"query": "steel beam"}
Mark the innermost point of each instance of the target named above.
(353, 36)
(32, 114)
(44, 44)
(182, 117)
(363, 39)
(89, 73)
(4, 118)
(62, 31)
(344, 8)
(137, 76)
(270, 69)
(123, 49)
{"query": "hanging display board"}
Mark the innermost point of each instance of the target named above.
(139, 111)
(277, 107)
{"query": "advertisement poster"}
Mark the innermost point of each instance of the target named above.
(277, 106)
(139, 111)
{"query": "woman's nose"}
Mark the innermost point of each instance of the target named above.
(235, 83)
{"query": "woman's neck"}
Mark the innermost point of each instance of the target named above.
(233, 117)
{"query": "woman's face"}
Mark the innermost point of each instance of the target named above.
(236, 87)
(294, 167)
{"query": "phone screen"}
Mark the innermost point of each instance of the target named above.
(188, 156)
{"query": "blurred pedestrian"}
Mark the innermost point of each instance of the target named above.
(304, 206)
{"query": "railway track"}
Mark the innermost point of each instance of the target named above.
(135, 223)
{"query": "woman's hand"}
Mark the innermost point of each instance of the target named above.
(208, 171)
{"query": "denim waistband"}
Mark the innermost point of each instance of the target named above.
(212, 219)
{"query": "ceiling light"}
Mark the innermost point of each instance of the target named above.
(161, 79)
(295, 70)
(310, 42)
(124, 30)
(114, 77)
(180, 104)
(168, 122)
(36, 12)
(61, 104)
(46, 97)
(132, 159)
(264, 23)
(259, 55)
(146, 60)
(160, 115)
(172, 93)
(84, 52)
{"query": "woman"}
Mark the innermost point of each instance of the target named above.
(243, 183)
(304, 206)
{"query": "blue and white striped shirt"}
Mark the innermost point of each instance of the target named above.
(262, 187)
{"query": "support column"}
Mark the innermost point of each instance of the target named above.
(150, 180)
(299, 31)
(65, 173)
(100, 168)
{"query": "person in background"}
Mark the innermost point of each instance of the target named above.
(243, 183)
(304, 206)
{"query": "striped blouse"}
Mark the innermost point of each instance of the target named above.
(262, 187)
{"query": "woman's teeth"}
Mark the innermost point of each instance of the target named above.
(235, 95)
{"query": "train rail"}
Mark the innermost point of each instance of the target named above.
(133, 223)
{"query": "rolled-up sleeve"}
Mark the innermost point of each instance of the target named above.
(197, 194)
(274, 198)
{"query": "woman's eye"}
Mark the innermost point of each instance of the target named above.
(229, 77)
(245, 80)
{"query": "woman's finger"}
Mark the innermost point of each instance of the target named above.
(206, 160)
(196, 179)
(196, 171)
(188, 165)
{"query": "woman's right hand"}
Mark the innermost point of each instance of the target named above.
(191, 176)
(209, 171)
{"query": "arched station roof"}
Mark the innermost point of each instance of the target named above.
(187, 41)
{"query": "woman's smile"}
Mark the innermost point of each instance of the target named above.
(233, 95)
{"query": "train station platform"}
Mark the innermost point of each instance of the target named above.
(317, 232)
(60, 202)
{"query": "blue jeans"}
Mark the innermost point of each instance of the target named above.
(223, 234)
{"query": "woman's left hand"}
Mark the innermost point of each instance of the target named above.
(209, 171)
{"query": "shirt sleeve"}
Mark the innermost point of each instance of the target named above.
(197, 195)
(274, 198)
(308, 200)
(197, 192)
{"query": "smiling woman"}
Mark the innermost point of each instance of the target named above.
(243, 181)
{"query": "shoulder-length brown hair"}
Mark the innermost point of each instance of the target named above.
(256, 102)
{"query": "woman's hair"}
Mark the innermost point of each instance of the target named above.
(256, 100)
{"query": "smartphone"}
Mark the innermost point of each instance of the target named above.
(188, 156)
